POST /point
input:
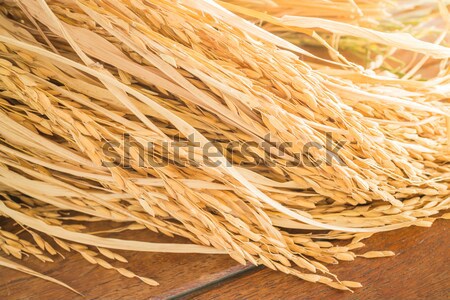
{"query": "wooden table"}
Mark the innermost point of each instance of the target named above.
(420, 270)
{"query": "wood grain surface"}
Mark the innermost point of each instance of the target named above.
(420, 270)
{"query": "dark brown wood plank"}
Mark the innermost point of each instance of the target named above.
(420, 270)
(176, 273)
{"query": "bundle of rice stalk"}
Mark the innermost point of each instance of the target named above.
(346, 37)
(184, 119)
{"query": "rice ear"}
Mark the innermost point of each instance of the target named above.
(92, 240)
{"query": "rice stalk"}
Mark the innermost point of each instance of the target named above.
(77, 77)
(349, 34)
